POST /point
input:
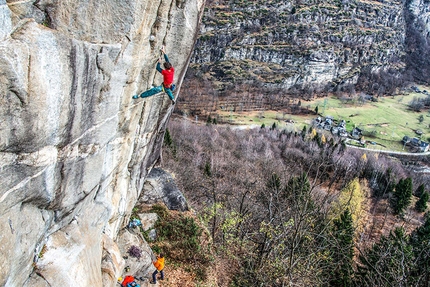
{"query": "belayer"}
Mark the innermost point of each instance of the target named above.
(159, 266)
(167, 86)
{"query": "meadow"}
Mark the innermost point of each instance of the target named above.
(385, 122)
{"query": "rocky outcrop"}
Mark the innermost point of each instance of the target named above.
(75, 149)
(311, 46)
(160, 187)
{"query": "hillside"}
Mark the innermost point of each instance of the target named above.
(301, 208)
(266, 53)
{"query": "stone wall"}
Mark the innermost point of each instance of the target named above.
(75, 149)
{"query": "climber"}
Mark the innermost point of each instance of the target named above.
(129, 282)
(159, 265)
(167, 86)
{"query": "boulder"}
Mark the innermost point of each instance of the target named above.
(161, 187)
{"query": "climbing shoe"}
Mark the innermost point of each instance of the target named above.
(135, 97)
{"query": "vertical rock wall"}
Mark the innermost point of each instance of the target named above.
(74, 147)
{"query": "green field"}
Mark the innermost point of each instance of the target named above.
(384, 122)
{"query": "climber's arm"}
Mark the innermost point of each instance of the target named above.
(166, 58)
(159, 66)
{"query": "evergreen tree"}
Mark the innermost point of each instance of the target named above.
(263, 126)
(387, 263)
(402, 195)
(421, 204)
(208, 169)
(274, 183)
(342, 251)
(209, 120)
(273, 126)
(298, 188)
(293, 10)
(168, 141)
(420, 190)
(316, 110)
(304, 132)
(420, 242)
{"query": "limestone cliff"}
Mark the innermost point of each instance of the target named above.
(312, 45)
(74, 147)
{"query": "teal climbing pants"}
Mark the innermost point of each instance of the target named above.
(156, 90)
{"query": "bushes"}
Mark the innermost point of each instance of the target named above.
(180, 237)
(181, 232)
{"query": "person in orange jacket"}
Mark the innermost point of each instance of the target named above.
(159, 265)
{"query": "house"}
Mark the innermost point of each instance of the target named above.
(335, 130)
(415, 142)
(424, 146)
(356, 133)
(416, 89)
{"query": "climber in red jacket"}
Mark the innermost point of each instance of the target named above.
(168, 74)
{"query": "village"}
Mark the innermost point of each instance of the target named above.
(338, 128)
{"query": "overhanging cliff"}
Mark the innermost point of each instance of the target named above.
(74, 147)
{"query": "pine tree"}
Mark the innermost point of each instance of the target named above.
(387, 263)
(342, 251)
(274, 183)
(298, 188)
(273, 126)
(421, 204)
(419, 191)
(420, 242)
(168, 141)
(208, 169)
(402, 195)
(304, 132)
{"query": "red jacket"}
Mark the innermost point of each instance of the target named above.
(168, 77)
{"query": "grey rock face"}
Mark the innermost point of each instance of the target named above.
(75, 149)
(320, 45)
(160, 187)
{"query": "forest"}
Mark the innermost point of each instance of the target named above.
(299, 209)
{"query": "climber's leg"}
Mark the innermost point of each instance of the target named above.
(169, 93)
(148, 93)
(151, 92)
